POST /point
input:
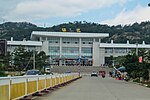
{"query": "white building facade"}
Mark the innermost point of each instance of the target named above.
(69, 48)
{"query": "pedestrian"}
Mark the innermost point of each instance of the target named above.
(110, 74)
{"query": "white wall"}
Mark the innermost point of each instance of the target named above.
(101, 56)
(45, 47)
(96, 54)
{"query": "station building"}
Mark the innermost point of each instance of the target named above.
(69, 48)
(73, 48)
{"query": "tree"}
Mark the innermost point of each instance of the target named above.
(20, 58)
(134, 68)
(5, 61)
(42, 60)
(121, 60)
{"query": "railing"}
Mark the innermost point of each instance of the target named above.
(12, 88)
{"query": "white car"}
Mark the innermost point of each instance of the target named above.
(94, 73)
(33, 72)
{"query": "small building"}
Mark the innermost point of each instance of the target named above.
(28, 45)
(107, 50)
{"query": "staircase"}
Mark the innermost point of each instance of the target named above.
(82, 69)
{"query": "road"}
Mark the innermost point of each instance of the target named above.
(96, 88)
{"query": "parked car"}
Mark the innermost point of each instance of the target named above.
(94, 73)
(33, 72)
(68, 72)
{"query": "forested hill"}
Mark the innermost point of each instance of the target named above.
(134, 33)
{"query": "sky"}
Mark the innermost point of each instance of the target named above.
(54, 12)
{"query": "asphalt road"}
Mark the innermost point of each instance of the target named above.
(96, 88)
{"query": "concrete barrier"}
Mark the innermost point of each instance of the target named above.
(12, 88)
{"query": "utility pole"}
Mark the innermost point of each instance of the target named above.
(136, 48)
(33, 59)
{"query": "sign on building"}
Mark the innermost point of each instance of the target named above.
(140, 59)
(3, 47)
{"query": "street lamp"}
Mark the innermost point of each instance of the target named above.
(33, 59)
(136, 48)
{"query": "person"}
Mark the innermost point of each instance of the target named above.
(126, 78)
(119, 76)
(110, 74)
(103, 74)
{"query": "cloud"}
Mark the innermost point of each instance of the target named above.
(138, 14)
(44, 9)
(7, 6)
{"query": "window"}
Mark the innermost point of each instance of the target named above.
(120, 50)
(87, 40)
(90, 42)
(109, 50)
(96, 39)
(70, 50)
(70, 56)
(86, 50)
(70, 40)
(53, 50)
(53, 40)
(43, 38)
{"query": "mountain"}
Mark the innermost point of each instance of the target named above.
(136, 32)
(120, 34)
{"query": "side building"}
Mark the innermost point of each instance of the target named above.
(108, 50)
(28, 45)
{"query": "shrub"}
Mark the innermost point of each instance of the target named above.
(136, 80)
(2, 74)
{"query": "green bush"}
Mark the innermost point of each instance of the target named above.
(2, 74)
(136, 80)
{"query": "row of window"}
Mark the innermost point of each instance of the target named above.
(70, 56)
(28, 48)
(117, 50)
(70, 49)
(85, 51)
(75, 42)
(72, 40)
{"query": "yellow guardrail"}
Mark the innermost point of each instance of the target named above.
(12, 88)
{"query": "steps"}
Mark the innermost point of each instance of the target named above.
(83, 69)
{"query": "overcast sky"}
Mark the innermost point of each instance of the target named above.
(54, 12)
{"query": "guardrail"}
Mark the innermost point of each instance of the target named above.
(12, 88)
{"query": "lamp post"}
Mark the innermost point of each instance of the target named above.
(136, 48)
(33, 59)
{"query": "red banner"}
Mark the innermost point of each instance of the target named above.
(140, 59)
